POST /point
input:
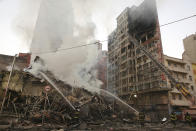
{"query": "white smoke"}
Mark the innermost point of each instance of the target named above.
(60, 25)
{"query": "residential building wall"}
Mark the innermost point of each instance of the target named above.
(190, 47)
(182, 71)
(113, 58)
(194, 71)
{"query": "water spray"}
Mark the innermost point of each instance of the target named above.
(117, 98)
(56, 88)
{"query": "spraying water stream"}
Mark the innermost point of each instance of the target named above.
(57, 89)
(117, 98)
(101, 90)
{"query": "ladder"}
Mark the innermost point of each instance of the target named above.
(176, 84)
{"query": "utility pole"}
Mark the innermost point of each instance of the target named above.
(6, 90)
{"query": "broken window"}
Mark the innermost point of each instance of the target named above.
(138, 51)
(190, 78)
(123, 57)
(123, 50)
(124, 73)
(180, 97)
(169, 64)
(123, 66)
(192, 88)
(124, 81)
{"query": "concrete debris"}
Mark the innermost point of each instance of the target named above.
(35, 105)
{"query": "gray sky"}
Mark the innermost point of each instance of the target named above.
(14, 40)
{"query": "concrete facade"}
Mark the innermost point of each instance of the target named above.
(182, 71)
(130, 71)
(190, 47)
(194, 71)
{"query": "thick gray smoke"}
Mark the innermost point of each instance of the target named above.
(60, 25)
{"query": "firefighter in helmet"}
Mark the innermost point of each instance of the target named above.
(188, 118)
(173, 118)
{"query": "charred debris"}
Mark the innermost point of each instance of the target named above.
(32, 101)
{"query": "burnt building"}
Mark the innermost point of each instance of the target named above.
(22, 61)
(130, 72)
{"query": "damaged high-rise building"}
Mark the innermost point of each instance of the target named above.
(131, 74)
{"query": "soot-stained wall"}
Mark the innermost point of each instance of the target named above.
(143, 19)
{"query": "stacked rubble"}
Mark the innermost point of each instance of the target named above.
(47, 107)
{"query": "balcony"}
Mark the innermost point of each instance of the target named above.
(182, 102)
(183, 80)
(178, 69)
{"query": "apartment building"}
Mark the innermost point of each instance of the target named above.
(130, 71)
(182, 71)
(190, 47)
(113, 55)
(194, 71)
(190, 52)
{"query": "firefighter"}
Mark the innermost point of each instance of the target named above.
(75, 118)
(141, 118)
(173, 118)
(187, 118)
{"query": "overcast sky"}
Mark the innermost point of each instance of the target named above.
(168, 10)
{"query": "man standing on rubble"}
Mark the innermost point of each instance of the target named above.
(173, 118)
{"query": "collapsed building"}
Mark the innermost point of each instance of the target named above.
(22, 61)
(34, 100)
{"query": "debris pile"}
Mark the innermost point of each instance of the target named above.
(49, 108)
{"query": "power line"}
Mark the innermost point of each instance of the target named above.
(176, 21)
(185, 18)
(150, 29)
(46, 52)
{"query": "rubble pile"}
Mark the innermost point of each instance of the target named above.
(50, 109)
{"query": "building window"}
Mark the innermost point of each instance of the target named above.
(173, 96)
(169, 63)
(123, 50)
(124, 81)
(123, 57)
(124, 73)
(175, 65)
(189, 68)
(192, 88)
(190, 78)
(180, 97)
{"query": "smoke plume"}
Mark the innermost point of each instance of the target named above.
(64, 24)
